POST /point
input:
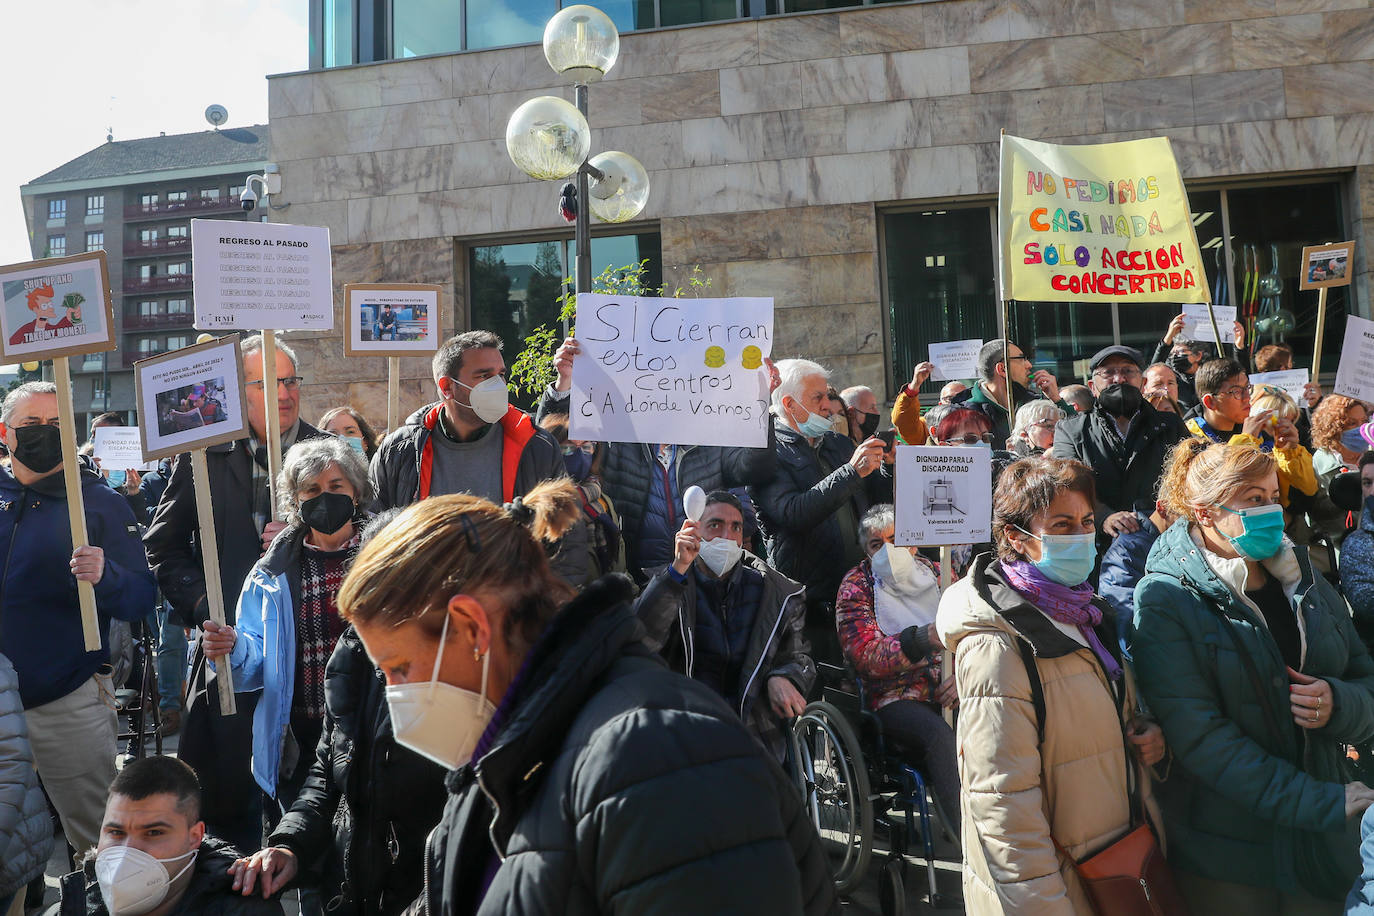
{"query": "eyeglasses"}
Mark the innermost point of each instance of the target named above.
(1022, 357)
(1042, 424)
(969, 439)
(1126, 373)
(1239, 392)
(289, 382)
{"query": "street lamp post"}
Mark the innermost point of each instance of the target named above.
(549, 139)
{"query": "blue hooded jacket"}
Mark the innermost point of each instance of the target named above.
(40, 614)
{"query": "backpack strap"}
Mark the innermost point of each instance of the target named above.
(1036, 688)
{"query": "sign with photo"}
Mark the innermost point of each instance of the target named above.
(393, 319)
(120, 448)
(943, 495)
(56, 307)
(672, 371)
(1324, 266)
(955, 360)
(261, 276)
(191, 398)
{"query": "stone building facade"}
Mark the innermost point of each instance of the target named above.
(781, 149)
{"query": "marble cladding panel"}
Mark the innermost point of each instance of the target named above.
(703, 47)
(940, 171)
(802, 329)
(788, 233)
(1142, 104)
(1226, 10)
(291, 95)
(1014, 65)
(1282, 40)
(742, 186)
(1107, 57)
(331, 214)
(844, 278)
(787, 280)
(849, 368)
(844, 80)
(851, 178)
(876, 29)
(976, 118)
(428, 260)
(888, 125)
(1060, 112)
(766, 87)
(1355, 146)
(416, 80)
(1350, 34)
(928, 73)
(1282, 146)
(1290, 7)
(399, 216)
(476, 164)
(1048, 18)
(798, 38)
(1202, 152)
(1113, 15)
(1321, 89)
(1186, 50)
(969, 22)
(1255, 95)
(694, 94)
(658, 146)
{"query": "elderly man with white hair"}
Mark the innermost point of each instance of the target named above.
(810, 510)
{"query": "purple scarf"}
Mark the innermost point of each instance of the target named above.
(1062, 603)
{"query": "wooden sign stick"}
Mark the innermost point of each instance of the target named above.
(1317, 341)
(209, 553)
(393, 392)
(1212, 315)
(273, 417)
(76, 506)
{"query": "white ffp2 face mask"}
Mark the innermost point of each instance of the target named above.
(720, 555)
(438, 720)
(132, 881)
(488, 399)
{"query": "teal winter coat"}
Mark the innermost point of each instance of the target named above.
(1250, 798)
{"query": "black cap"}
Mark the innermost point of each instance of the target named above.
(1106, 353)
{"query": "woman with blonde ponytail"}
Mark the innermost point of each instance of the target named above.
(587, 778)
(1253, 667)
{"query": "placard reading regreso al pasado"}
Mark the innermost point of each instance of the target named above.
(672, 371)
(261, 276)
(944, 495)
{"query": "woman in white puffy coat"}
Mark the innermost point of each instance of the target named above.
(25, 825)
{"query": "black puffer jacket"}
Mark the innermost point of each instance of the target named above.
(210, 892)
(632, 468)
(368, 804)
(797, 512)
(616, 786)
(1127, 473)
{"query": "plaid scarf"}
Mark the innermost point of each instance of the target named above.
(318, 626)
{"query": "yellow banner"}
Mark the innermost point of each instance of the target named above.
(1106, 222)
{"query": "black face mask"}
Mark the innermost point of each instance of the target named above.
(327, 512)
(1179, 362)
(38, 448)
(869, 426)
(1121, 400)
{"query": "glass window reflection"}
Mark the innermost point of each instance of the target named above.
(494, 23)
(421, 27)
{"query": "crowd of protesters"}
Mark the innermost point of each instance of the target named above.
(483, 667)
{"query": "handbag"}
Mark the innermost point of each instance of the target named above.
(1130, 877)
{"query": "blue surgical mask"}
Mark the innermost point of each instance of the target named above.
(815, 425)
(1354, 440)
(1262, 531)
(1066, 558)
(355, 443)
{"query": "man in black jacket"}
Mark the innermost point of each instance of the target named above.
(154, 809)
(646, 481)
(724, 617)
(218, 747)
(810, 510)
(1123, 439)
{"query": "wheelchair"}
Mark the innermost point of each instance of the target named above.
(139, 705)
(854, 781)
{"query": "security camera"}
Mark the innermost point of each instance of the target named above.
(248, 199)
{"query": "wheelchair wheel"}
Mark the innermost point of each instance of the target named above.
(834, 781)
(891, 889)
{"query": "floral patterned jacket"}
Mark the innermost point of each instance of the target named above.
(888, 674)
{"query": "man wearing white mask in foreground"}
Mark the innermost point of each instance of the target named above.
(885, 614)
(724, 617)
(154, 858)
(473, 441)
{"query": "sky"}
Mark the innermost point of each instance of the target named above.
(75, 69)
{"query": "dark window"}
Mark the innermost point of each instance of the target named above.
(57, 246)
(685, 12)
(95, 204)
(95, 241)
(178, 307)
(176, 197)
(148, 200)
(178, 268)
(57, 209)
(209, 193)
(147, 236)
(178, 232)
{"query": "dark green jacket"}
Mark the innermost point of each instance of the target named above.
(1251, 798)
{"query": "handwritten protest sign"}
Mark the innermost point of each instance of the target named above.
(120, 448)
(944, 495)
(1355, 374)
(1290, 380)
(1096, 223)
(257, 276)
(677, 371)
(1197, 325)
(55, 307)
(957, 359)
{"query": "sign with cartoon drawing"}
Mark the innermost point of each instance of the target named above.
(944, 495)
(55, 307)
(672, 371)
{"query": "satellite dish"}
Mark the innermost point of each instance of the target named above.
(216, 115)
